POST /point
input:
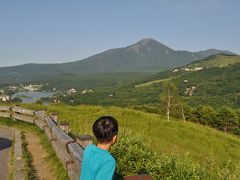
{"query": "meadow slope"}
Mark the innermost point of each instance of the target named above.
(174, 137)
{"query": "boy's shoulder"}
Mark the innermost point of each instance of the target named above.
(103, 154)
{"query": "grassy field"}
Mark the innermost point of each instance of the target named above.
(174, 137)
(216, 61)
(146, 84)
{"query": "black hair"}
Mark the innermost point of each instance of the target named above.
(105, 128)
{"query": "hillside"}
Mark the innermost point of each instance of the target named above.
(200, 142)
(215, 81)
(220, 60)
(147, 55)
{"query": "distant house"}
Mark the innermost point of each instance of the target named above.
(57, 101)
(87, 91)
(190, 91)
(198, 68)
(31, 87)
(186, 69)
(4, 98)
(12, 88)
(71, 91)
(175, 70)
(84, 91)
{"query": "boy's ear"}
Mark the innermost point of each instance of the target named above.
(114, 140)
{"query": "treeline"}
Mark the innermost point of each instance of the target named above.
(224, 119)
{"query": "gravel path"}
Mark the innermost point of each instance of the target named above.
(6, 138)
(39, 154)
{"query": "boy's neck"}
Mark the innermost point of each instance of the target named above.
(104, 146)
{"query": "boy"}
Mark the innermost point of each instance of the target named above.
(98, 163)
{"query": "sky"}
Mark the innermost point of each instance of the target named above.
(56, 31)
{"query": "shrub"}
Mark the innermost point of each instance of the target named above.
(135, 157)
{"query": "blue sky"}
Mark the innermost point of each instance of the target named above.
(55, 31)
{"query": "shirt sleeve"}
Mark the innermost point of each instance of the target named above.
(107, 170)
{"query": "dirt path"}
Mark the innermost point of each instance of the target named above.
(39, 154)
(6, 137)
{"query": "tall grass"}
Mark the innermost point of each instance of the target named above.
(174, 137)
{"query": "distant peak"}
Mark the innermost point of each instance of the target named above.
(146, 42)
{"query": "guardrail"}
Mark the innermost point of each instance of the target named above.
(67, 149)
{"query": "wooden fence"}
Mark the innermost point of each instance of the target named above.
(66, 148)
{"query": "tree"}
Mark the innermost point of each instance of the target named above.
(207, 116)
(169, 97)
(39, 101)
(227, 118)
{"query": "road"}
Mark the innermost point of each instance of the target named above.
(6, 138)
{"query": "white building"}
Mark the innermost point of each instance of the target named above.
(4, 98)
(71, 91)
(32, 87)
(198, 68)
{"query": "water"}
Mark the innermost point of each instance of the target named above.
(31, 97)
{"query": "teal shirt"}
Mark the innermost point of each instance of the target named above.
(97, 164)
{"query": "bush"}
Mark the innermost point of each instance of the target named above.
(134, 157)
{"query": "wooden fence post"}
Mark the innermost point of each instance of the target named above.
(64, 126)
(84, 140)
(54, 116)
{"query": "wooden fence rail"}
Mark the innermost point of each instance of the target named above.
(66, 148)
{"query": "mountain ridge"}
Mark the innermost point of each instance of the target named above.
(147, 55)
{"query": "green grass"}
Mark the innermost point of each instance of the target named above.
(56, 165)
(11, 162)
(216, 61)
(29, 170)
(146, 84)
(174, 137)
(182, 149)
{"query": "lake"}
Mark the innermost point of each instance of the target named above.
(31, 97)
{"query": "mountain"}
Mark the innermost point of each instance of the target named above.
(145, 56)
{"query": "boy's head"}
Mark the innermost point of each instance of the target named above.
(105, 129)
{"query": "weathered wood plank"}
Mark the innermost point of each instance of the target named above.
(21, 117)
(5, 108)
(62, 137)
(50, 122)
(73, 172)
(5, 114)
(54, 116)
(39, 123)
(61, 153)
(48, 133)
(18, 109)
(41, 114)
(76, 152)
(84, 140)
